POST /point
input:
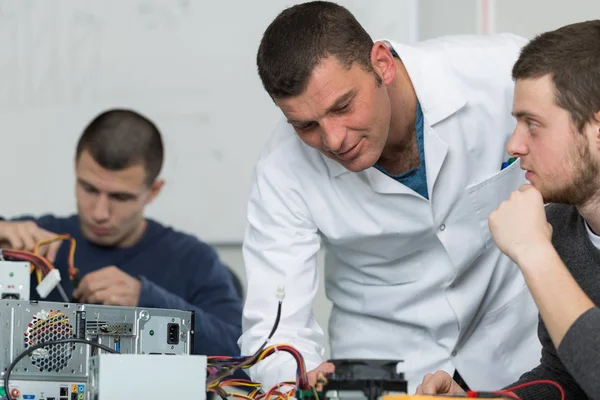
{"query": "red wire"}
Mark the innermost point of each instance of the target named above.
(302, 378)
(538, 382)
(477, 395)
(506, 393)
(234, 381)
(40, 262)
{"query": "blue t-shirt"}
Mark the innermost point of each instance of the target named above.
(177, 271)
(416, 179)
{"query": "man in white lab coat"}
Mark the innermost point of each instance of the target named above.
(391, 157)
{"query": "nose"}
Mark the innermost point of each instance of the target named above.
(517, 144)
(101, 208)
(332, 135)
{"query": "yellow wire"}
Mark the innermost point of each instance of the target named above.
(241, 384)
(52, 318)
(314, 389)
(55, 239)
(48, 241)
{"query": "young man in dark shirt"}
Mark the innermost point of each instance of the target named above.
(124, 258)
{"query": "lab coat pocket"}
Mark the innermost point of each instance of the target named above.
(487, 195)
(509, 334)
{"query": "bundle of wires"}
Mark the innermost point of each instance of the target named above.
(282, 391)
(254, 390)
(41, 265)
(73, 272)
(220, 367)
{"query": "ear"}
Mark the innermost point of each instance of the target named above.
(155, 189)
(383, 62)
(594, 126)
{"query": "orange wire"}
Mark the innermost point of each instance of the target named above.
(72, 270)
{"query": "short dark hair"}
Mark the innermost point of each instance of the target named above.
(121, 138)
(571, 56)
(303, 35)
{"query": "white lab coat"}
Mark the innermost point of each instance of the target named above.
(411, 279)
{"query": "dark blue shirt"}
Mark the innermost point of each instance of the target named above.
(177, 271)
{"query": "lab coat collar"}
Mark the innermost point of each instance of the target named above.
(436, 88)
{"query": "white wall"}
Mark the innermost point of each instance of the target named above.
(530, 17)
(522, 17)
(440, 17)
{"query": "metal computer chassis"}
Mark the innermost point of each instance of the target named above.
(60, 372)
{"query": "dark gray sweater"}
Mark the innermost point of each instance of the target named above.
(576, 365)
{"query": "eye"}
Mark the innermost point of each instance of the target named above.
(89, 189)
(531, 126)
(343, 109)
(305, 127)
(121, 197)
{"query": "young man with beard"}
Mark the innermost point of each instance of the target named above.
(557, 138)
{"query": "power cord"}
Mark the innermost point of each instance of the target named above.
(46, 344)
(280, 295)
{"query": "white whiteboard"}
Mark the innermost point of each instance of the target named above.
(188, 65)
(516, 16)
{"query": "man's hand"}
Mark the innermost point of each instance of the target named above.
(23, 235)
(324, 369)
(439, 383)
(109, 286)
(519, 225)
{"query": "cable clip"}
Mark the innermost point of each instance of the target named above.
(280, 294)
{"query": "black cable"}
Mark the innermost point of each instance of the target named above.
(275, 325)
(252, 358)
(42, 345)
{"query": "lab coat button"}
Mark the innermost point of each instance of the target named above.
(442, 227)
(454, 353)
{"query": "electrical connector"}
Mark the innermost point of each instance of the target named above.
(48, 283)
(280, 294)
